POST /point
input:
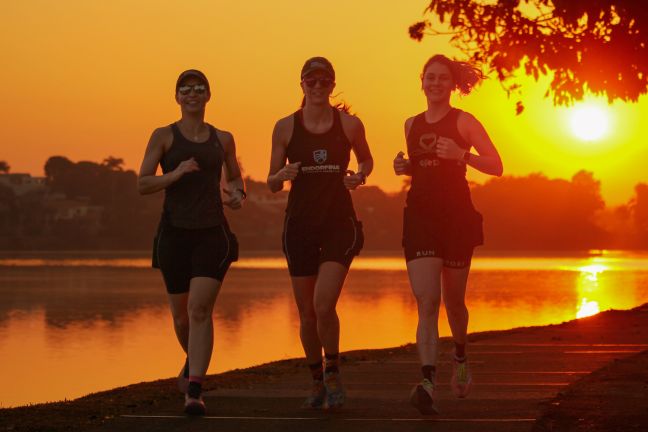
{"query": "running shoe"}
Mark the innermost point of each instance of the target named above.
(421, 397)
(335, 395)
(194, 406)
(317, 395)
(183, 377)
(461, 378)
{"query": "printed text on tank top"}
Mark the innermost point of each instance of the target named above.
(321, 155)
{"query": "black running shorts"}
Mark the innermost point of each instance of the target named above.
(182, 254)
(307, 246)
(427, 235)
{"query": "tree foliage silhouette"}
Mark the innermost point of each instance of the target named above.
(595, 45)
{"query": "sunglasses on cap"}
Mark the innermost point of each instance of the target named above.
(197, 88)
(312, 82)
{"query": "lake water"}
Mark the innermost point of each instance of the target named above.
(71, 324)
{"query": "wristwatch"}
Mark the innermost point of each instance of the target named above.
(466, 156)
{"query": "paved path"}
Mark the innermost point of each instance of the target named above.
(514, 372)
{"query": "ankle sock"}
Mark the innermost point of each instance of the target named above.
(195, 386)
(317, 371)
(429, 371)
(460, 350)
(332, 361)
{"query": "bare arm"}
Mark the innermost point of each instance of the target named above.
(148, 182)
(279, 170)
(232, 172)
(361, 149)
(403, 166)
(488, 159)
(355, 131)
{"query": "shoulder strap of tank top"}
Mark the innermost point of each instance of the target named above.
(213, 139)
(176, 131)
(337, 120)
(298, 121)
(454, 114)
(418, 121)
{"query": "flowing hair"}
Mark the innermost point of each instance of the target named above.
(464, 75)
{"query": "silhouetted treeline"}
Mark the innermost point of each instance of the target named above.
(89, 205)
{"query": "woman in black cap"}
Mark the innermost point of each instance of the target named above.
(194, 246)
(441, 227)
(321, 233)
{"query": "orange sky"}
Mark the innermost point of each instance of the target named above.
(91, 79)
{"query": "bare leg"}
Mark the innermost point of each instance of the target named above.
(328, 286)
(303, 290)
(202, 295)
(454, 293)
(425, 279)
(178, 304)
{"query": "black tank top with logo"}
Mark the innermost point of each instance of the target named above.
(317, 193)
(194, 201)
(438, 185)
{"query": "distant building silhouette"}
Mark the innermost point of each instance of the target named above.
(22, 184)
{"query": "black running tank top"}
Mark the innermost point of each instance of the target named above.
(194, 201)
(317, 193)
(437, 184)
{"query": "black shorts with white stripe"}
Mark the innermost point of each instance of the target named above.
(182, 254)
(306, 246)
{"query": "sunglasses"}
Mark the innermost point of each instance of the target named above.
(197, 88)
(323, 82)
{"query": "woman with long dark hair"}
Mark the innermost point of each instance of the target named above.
(321, 232)
(440, 225)
(194, 246)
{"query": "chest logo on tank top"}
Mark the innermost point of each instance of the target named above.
(428, 143)
(427, 148)
(320, 156)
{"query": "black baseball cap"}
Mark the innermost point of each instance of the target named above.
(192, 73)
(317, 63)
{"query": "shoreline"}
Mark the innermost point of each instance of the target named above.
(102, 408)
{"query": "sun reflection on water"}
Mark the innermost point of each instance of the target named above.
(587, 308)
(590, 291)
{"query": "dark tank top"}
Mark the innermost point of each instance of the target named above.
(194, 201)
(317, 193)
(438, 185)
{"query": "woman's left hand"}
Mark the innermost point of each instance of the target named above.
(446, 148)
(352, 180)
(235, 200)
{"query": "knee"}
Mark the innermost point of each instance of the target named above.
(308, 318)
(181, 320)
(324, 311)
(199, 313)
(428, 306)
(456, 307)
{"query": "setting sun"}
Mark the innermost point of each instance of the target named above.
(589, 122)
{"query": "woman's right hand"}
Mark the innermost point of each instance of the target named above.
(401, 165)
(288, 172)
(186, 166)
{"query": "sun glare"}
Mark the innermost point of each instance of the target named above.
(589, 122)
(587, 308)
